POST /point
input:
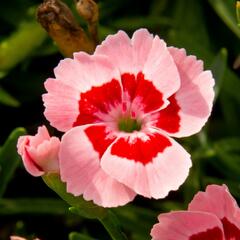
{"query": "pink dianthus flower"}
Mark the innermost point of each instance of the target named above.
(211, 215)
(120, 108)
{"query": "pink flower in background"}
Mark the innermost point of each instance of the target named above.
(39, 152)
(212, 215)
(119, 108)
(20, 238)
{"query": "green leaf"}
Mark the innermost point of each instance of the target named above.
(226, 11)
(238, 12)
(20, 44)
(230, 109)
(157, 7)
(232, 84)
(7, 99)
(190, 30)
(228, 151)
(9, 158)
(133, 23)
(84, 208)
(218, 68)
(33, 206)
(79, 236)
(129, 216)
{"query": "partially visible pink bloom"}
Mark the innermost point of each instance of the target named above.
(20, 238)
(40, 152)
(17, 238)
(119, 108)
(212, 215)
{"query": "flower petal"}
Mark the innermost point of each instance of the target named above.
(84, 87)
(183, 225)
(61, 104)
(142, 54)
(191, 106)
(80, 153)
(148, 162)
(217, 200)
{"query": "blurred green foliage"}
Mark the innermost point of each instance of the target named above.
(206, 28)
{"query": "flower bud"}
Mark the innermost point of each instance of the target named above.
(40, 152)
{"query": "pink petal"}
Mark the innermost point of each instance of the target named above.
(187, 226)
(161, 69)
(118, 49)
(84, 86)
(80, 154)
(41, 136)
(217, 200)
(149, 163)
(143, 54)
(192, 103)
(61, 104)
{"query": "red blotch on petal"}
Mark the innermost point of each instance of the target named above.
(30, 158)
(143, 89)
(99, 137)
(231, 231)
(151, 97)
(169, 119)
(98, 99)
(139, 150)
(129, 84)
(210, 234)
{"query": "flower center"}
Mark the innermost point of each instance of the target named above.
(128, 124)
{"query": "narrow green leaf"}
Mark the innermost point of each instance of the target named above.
(157, 7)
(129, 216)
(84, 208)
(79, 236)
(189, 30)
(238, 12)
(7, 99)
(228, 151)
(132, 23)
(229, 109)
(232, 84)
(9, 158)
(111, 224)
(218, 68)
(225, 10)
(33, 206)
(20, 44)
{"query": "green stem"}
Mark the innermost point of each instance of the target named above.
(84, 208)
(109, 221)
(20, 44)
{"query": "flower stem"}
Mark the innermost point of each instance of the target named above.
(85, 208)
(109, 221)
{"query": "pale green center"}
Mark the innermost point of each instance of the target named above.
(128, 124)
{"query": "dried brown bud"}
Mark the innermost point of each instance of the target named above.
(58, 20)
(88, 10)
